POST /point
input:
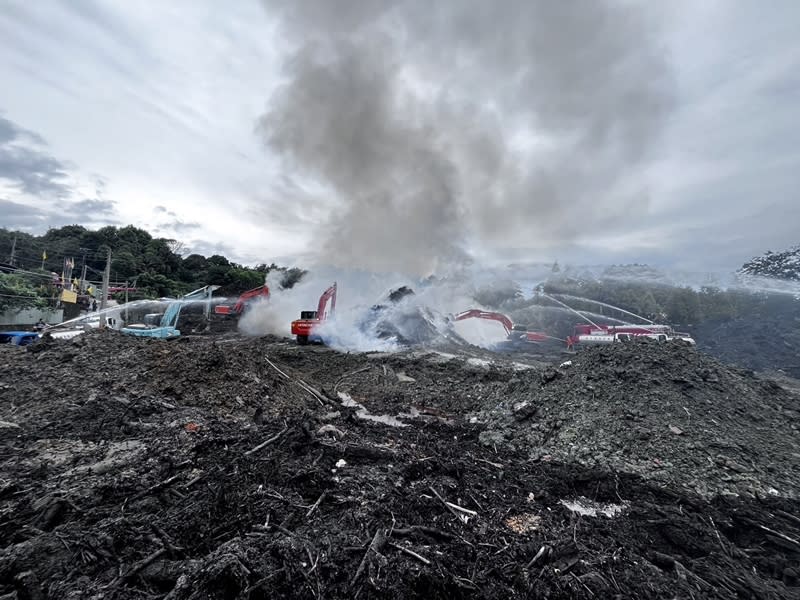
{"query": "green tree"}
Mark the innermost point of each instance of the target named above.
(683, 306)
(193, 269)
(158, 285)
(156, 262)
(158, 257)
(17, 291)
(716, 303)
(126, 264)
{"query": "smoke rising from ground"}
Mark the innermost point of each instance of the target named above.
(434, 129)
(275, 314)
(356, 326)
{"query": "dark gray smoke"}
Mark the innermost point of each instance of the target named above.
(441, 127)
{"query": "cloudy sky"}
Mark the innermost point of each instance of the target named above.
(390, 136)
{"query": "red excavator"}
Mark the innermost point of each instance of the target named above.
(235, 310)
(515, 333)
(304, 327)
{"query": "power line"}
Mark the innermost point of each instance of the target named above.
(50, 278)
(60, 254)
(19, 296)
(26, 273)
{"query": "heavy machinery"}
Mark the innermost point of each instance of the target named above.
(584, 334)
(593, 334)
(167, 327)
(305, 327)
(515, 333)
(18, 338)
(75, 327)
(244, 300)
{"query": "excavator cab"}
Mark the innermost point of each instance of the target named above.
(167, 326)
(305, 328)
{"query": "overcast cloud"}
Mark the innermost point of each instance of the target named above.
(603, 131)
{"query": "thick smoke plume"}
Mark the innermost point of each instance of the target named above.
(357, 325)
(432, 130)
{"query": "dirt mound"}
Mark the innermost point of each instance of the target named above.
(251, 468)
(661, 410)
(225, 374)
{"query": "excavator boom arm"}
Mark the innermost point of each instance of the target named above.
(327, 295)
(476, 313)
(261, 290)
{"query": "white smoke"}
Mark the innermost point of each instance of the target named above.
(275, 315)
(479, 332)
(352, 327)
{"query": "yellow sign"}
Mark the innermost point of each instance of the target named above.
(69, 296)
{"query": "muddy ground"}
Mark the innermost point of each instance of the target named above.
(224, 467)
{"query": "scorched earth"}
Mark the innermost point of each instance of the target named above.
(219, 466)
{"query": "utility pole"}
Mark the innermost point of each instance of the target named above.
(83, 278)
(133, 285)
(13, 252)
(83, 270)
(68, 265)
(106, 277)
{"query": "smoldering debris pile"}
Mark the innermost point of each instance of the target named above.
(406, 325)
(252, 468)
(665, 411)
(399, 321)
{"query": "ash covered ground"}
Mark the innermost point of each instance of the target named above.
(219, 466)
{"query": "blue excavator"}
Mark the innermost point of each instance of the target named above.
(167, 328)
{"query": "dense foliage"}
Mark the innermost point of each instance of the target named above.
(155, 265)
(610, 291)
(18, 292)
(662, 303)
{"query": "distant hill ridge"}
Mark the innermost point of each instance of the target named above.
(781, 265)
